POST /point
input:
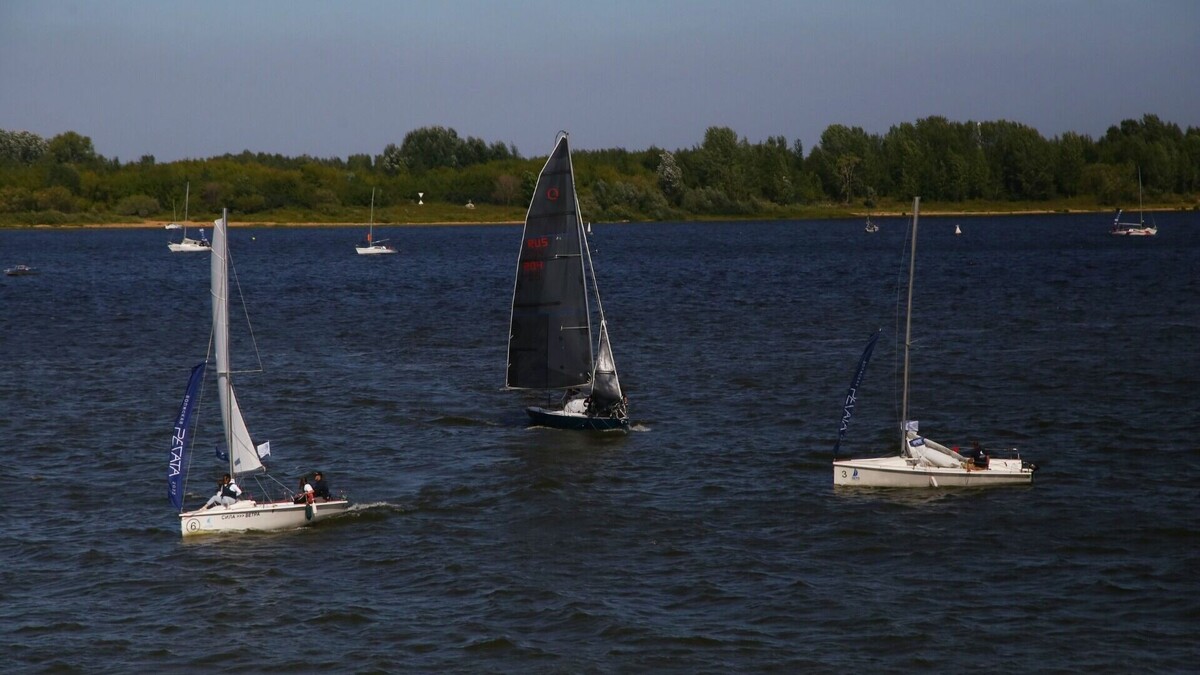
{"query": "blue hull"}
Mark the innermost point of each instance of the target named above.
(560, 420)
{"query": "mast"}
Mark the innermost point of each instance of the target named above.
(243, 456)
(187, 192)
(1141, 216)
(220, 293)
(371, 226)
(586, 263)
(912, 262)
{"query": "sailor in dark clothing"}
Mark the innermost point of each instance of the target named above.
(227, 493)
(979, 458)
(320, 488)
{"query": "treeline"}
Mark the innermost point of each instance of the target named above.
(63, 179)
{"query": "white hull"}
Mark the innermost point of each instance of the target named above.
(188, 245)
(569, 419)
(374, 250)
(905, 473)
(172, 226)
(1136, 232)
(247, 515)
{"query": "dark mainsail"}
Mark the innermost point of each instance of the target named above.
(550, 340)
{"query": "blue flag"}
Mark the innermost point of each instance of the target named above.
(177, 466)
(852, 395)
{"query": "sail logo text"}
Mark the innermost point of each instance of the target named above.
(539, 242)
(533, 266)
(176, 452)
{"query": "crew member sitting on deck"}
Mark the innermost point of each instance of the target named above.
(978, 458)
(320, 487)
(227, 493)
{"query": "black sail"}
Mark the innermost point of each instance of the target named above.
(550, 340)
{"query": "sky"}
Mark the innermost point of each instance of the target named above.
(186, 79)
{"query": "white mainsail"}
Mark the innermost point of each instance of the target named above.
(243, 457)
(605, 384)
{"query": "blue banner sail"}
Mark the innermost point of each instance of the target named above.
(852, 395)
(177, 468)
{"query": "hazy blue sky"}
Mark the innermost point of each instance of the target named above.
(180, 79)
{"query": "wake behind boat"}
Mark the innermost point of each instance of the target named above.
(921, 462)
(550, 344)
(245, 511)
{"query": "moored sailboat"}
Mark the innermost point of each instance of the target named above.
(187, 244)
(245, 457)
(369, 246)
(550, 345)
(921, 462)
(1138, 229)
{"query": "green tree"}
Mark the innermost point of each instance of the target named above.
(431, 147)
(71, 148)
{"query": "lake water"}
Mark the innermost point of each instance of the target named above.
(707, 539)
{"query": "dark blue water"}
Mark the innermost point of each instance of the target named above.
(709, 539)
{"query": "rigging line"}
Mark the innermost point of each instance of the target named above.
(245, 310)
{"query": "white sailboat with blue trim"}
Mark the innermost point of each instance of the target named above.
(921, 462)
(268, 504)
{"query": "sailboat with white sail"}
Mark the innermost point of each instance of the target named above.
(186, 244)
(552, 346)
(921, 462)
(369, 246)
(1138, 229)
(245, 457)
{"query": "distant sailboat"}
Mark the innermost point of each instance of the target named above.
(1138, 229)
(186, 244)
(20, 271)
(871, 227)
(370, 246)
(550, 344)
(957, 229)
(244, 455)
(921, 463)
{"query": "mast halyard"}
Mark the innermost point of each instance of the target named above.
(912, 262)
